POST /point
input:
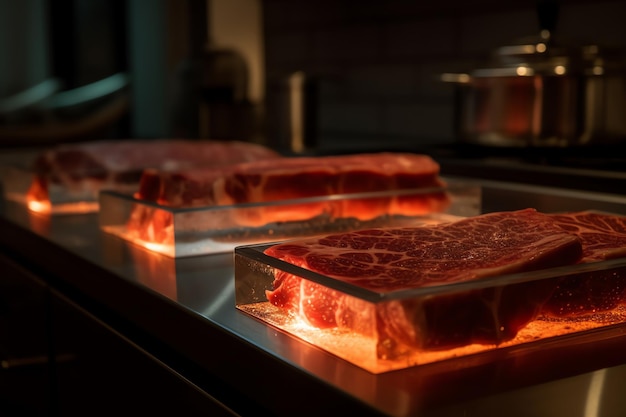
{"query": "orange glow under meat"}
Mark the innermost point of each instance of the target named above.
(361, 350)
(45, 207)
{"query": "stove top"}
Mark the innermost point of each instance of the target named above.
(601, 169)
(606, 158)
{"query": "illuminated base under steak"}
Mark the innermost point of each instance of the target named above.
(361, 350)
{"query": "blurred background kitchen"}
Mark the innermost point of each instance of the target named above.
(323, 75)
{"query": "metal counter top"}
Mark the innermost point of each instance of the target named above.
(184, 312)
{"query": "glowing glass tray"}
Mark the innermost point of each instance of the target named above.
(81, 197)
(182, 232)
(445, 319)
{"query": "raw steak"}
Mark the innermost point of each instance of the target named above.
(603, 237)
(303, 177)
(85, 168)
(394, 259)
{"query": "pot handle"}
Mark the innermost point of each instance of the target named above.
(547, 14)
(460, 78)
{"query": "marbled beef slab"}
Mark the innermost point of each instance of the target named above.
(293, 178)
(86, 167)
(603, 237)
(397, 259)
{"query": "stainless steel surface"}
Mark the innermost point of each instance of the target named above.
(189, 306)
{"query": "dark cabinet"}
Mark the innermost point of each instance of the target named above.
(60, 359)
(25, 362)
(104, 373)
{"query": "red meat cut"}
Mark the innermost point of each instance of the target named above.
(296, 178)
(87, 167)
(394, 259)
(603, 237)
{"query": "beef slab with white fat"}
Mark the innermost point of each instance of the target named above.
(603, 237)
(293, 178)
(393, 259)
(88, 167)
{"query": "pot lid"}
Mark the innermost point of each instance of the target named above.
(542, 54)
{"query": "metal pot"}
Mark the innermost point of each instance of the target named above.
(539, 94)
